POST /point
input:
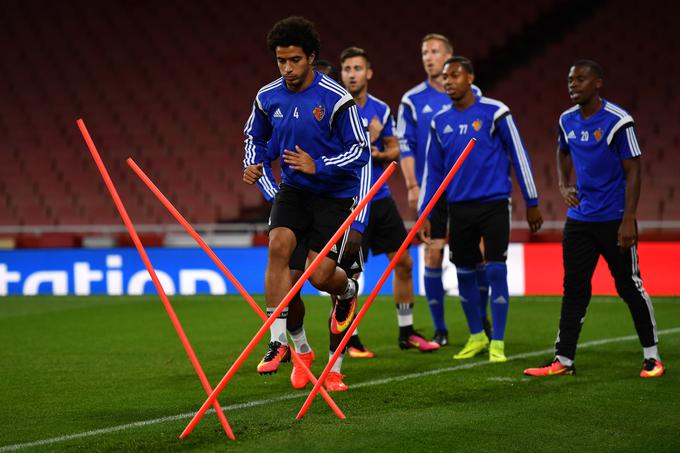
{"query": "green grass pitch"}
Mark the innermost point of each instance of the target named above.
(109, 374)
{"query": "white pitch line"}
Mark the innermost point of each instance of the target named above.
(234, 407)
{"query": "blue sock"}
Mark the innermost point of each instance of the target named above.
(434, 292)
(483, 284)
(469, 298)
(498, 278)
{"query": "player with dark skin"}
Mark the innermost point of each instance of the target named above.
(457, 84)
(584, 89)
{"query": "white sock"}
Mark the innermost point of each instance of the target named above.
(337, 366)
(651, 352)
(350, 291)
(405, 314)
(278, 329)
(299, 338)
(564, 360)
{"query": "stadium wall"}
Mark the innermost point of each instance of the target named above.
(533, 269)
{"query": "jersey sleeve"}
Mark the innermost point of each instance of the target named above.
(512, 142)
(625, 143)
(407, 128)
(562, 141)
(267, 183)
(347, 125)
(258, 131)
(361, 222)
(434, 168)
(388, 124)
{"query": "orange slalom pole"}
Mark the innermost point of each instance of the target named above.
(367, 304)
(286, 300)
(154, 278)
(206, 248)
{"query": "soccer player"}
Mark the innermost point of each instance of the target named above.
(597, 140)
(416, 110)
(385, 231)
(323, 149)
(478, 197)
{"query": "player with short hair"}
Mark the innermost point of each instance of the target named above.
(597, 140)
(385, 231)
(323, 149)
(478, 197)
(417, 107)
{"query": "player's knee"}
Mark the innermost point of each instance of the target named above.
(279, 250)
(320, 277)
(404, 267)
(434, 256)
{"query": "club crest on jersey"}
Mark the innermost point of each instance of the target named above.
(319, 112)
(477, 124)
(598, 134)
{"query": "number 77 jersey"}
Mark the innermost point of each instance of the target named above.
(485, 176)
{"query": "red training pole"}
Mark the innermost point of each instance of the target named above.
(199, 240)
(404, 246)
(286, 300)
(154, 278)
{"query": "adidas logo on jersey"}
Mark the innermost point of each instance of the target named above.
(278, 114)
(334, 249)
(448, 129)
(571, 134)
(427, 109)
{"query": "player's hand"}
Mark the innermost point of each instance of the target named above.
(534, 219)
(627, 236)
(569, 195)
(299, 160)
(352, 246)
(424, 232)
(375, 153)
(413, 195)
(375, 127)
(252, 173)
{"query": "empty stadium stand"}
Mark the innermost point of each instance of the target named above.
(170, 83)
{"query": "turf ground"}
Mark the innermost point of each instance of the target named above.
(108, 373)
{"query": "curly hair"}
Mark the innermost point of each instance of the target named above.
(294, 31)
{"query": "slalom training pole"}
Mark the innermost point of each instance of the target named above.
(152, 273)
(286, 300)
(206, 248)
(367, 304)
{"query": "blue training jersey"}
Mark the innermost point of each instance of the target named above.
(597, 146)
(417, 107)
(323, 120)
(375, 108)
(485, 175)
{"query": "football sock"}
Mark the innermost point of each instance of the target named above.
(434, 292)
(500, 299)
(299, 338)
(566, 361)
(469, 298)
(405, 319)
(349, 292)
(651, 352)
(483, 283)
(278, 328)
(337, 366)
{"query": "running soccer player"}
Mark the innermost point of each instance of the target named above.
(385, 231)
(478, 197)
(416, 110)
(323, 149)
(597, 140)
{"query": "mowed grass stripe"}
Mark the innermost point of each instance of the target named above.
(255, 403)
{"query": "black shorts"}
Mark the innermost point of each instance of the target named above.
(385, 231)
(314, 219)
(438, 219)
(471, 221)
(298, 261)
